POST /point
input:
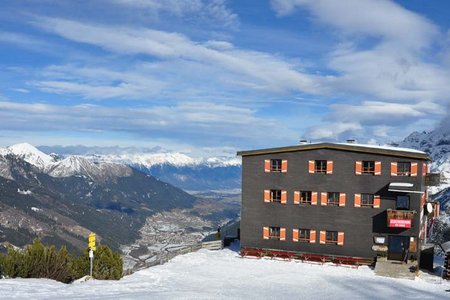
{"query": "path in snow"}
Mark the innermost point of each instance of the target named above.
(224, 275)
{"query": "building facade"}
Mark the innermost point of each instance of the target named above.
(330, 199)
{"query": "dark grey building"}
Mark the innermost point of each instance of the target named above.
(331, 199)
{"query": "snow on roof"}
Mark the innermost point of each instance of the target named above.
(401, 184)
(382, 149)
(385, 147)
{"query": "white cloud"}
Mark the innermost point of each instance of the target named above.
(389, 67)
(388, 73)
(377, 18)
(21, 39)
(99, 82)
(372, 118)
(373, 112)
(256, 70)
(214, 12)
(332, 132)
(379, 54)
(202, 124)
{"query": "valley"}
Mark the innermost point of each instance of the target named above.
(60, 200)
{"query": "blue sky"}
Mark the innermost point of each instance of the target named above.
(219, 76)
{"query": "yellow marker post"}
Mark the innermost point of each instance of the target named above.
(91, 241)
(92, 248)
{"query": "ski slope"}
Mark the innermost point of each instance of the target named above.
(224, 275)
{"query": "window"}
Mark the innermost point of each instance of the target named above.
(380, 240)
(403, 169)
(305, 197)
(333, 199)
(304, 235)
(320, 166)
(275, 165)
(275, 195)
(367, 200)
(274, 233)
(331, 237)
(402, 202)
(368, 167)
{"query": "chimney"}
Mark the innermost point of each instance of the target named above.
(303, 142)
(351, 141)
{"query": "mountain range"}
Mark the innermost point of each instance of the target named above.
(61, 197)
(437, 144)
(62, 200)
(179, 169)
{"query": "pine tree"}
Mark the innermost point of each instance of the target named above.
(39, 261)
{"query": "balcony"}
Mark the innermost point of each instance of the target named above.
(400, 218)
(433, 179)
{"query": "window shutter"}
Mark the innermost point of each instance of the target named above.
(413, 169)
(311, 166)
(342, 199)
(412, 244)
(314, 198)
(378, 168)
(266, 196)
(266, 233)
(323, 236)
(329, 167)
(376, 201)
(424, 169)
(283, 197)
(340, 238)
(422, 232)
(393, 169)
(358, 168)
(357, 200)
(267, 165)
(284, 166)
(323, 199)
(436, 208)
(295, 235)
(312, 236)
(282, 234)
(296, 197)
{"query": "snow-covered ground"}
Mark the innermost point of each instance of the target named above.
(224, 275)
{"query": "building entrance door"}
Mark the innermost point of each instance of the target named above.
(397, 247)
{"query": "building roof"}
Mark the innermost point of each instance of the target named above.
(381, 150)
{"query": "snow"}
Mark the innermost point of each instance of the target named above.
(437, 144)
(81, 166)
(166, 158)
(385, 147)
(401, 184)
(24, 192)
(32, 155)
(224, 275)
(70, 166)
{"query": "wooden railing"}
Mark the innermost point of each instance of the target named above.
(305, 257)
(163, 257)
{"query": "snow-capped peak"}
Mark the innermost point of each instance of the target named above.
(78, 165)
(32, 155)
(437, 144)
(176, 159)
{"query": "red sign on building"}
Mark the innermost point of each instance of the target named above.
(400, 223)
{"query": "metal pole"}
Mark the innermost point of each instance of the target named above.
(426, 229)
(91, 259)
